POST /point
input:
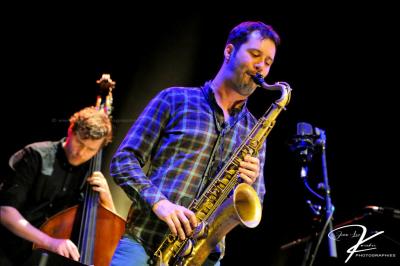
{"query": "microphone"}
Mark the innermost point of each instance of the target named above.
(395, 213)
(303, 141)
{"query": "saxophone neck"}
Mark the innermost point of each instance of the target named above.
(285, 93)
(283, 87)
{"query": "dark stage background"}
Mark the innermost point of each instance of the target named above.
(342, 66)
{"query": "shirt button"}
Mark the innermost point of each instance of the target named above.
(51, 205)
(64, 189)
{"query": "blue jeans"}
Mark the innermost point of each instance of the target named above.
(129, 252)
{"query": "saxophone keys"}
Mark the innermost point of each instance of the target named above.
(187, 249)
(201, 231)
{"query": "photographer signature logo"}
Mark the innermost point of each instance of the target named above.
(361, 239)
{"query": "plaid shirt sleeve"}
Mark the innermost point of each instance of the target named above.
(135, 150)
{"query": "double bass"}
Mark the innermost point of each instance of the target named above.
(95, 229)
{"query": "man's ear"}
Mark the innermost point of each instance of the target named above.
(228, 51)
(70, 132)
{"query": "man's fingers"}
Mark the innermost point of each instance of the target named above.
(171, 226)
(186, 224)
(246, 179)
(72, 250)
(192, 218)
(178, 227)
(250, 166)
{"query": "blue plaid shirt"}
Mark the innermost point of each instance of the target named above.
(176, 134)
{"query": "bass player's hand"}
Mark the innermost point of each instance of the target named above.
(64, 247)
(99, 184)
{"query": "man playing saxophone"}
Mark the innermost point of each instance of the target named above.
(186, 134)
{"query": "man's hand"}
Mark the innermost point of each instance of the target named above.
(249, 169)
(181, 221)
(64, 247)
(100, 184)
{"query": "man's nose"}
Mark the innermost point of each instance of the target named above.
(260, 66)
(82, 151)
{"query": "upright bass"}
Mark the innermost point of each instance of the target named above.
(95, 229)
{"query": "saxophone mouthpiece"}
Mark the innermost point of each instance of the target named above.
(258, 79)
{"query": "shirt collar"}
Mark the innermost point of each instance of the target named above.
(236, 113)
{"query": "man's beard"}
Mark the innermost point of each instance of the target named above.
(245, 86)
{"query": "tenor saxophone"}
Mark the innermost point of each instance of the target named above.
(216, 212)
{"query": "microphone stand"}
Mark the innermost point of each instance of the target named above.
(329, 208)
(307, 240)
(307, 143)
